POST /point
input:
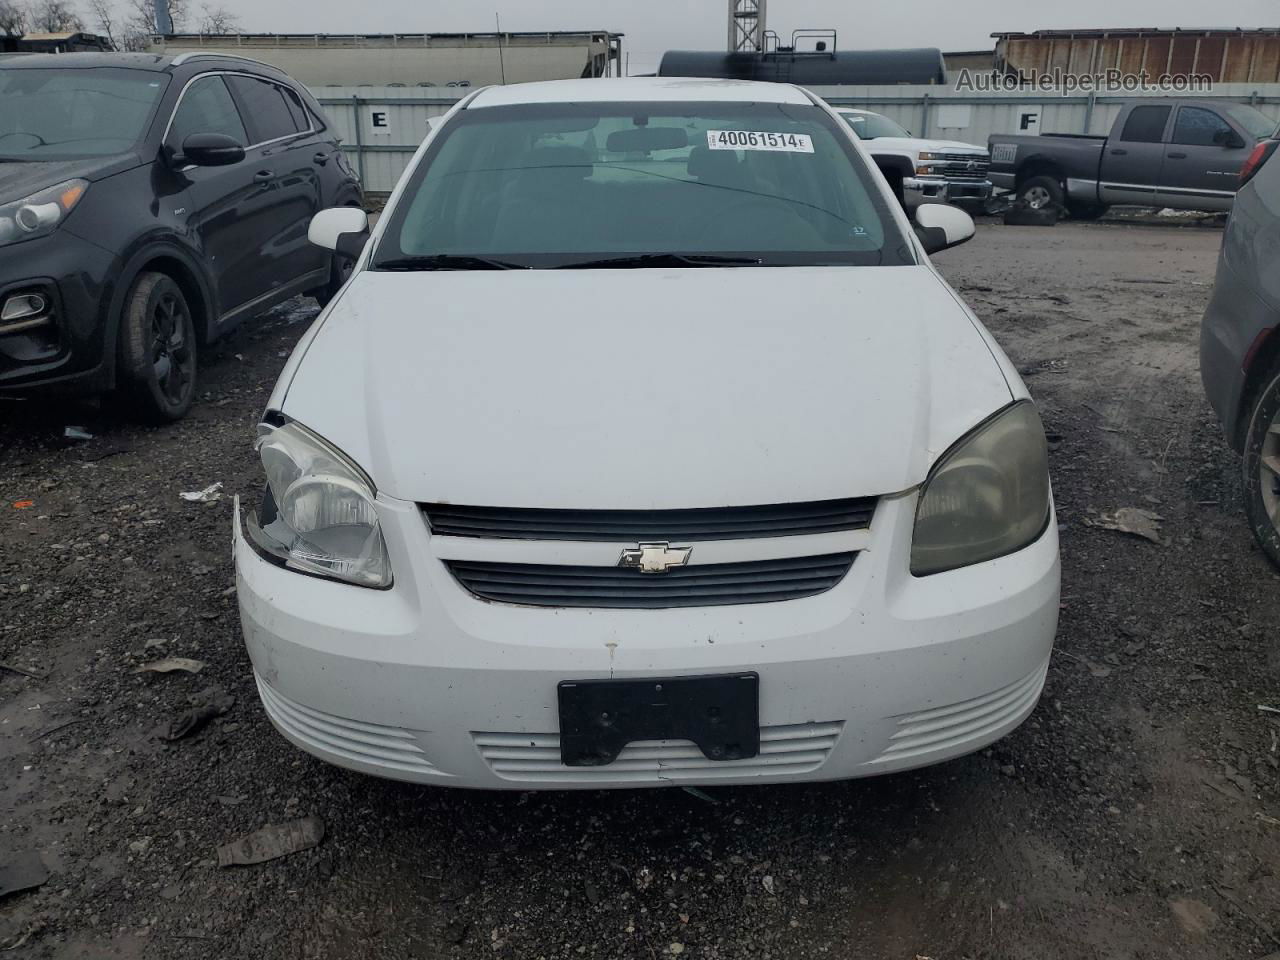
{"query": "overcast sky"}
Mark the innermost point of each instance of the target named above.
(653, 26)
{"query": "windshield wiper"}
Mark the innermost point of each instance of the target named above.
(663, 260)
(447, 261)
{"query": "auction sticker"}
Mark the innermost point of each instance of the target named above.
(759, 140)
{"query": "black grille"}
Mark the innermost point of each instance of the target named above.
(709, 585)
(633, 526)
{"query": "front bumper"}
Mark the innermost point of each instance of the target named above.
(70, 352)
(940, 190)
(424, 682)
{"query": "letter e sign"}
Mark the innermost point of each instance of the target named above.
(380, 122)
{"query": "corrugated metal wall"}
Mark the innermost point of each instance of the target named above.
(1223, 57)
(381, 147)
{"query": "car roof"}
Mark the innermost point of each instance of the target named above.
(639, 89)
(159, 63)
(82, 61)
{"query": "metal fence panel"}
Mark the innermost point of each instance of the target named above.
(381, 127)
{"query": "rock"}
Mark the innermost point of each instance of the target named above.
(1193, 916)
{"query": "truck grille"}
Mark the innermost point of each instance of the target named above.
(631, 526)
(955, 166)
(706, 585)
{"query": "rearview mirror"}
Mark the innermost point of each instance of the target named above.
(644, 139)
(940, 226)
(211, 150)
(341, 229)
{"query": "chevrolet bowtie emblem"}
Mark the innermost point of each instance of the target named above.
(654, 557)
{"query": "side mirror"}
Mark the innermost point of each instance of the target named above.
(941, 226)
(1228, 138)
(341, 229)
(211, 150)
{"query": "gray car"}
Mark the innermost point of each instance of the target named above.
(1240, 342)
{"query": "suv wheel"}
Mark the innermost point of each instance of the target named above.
(158, 348)
(1262, 471)
(339, 270)
(1040, 192)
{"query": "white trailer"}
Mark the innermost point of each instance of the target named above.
(417, 59)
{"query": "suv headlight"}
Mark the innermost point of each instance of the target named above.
(40, 213)
(318, 513)
(986, 497)
(927, 155)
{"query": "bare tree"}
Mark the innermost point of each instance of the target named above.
(105, 21)
(54, 16)
(134, 28)
(218, 21)
(142, 15)
(13, 18)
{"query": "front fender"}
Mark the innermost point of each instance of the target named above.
(146, 250)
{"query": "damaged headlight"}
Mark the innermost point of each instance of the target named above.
(988, 496)
(318, 513)
(40, 213)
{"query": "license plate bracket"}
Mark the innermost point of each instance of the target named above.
(720, 713)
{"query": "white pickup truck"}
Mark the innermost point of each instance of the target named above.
(923, 170)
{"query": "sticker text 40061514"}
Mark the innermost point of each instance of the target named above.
(759, 140)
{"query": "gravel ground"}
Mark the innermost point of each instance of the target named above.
(1135, 815)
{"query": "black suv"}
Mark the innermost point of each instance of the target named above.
(148, 205)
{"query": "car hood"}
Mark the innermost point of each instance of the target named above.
(902, 144)
(22, 178)
(645, 388)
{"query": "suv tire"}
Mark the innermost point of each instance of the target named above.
(1261, 477)
(158, 349)
(339, 270)
(1039, 192)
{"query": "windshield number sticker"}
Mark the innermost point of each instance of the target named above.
(759, 140)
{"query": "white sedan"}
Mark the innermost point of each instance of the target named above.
(645, 446)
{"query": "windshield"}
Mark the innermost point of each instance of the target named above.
(68, 114)
(555, 185)
(1259, 125)
(868, 126)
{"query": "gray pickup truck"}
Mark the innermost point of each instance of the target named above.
(1177, 153)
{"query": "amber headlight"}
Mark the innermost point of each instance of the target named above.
(986, 497)
(318, 513)
(39, 214)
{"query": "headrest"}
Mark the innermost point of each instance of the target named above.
(714, 166)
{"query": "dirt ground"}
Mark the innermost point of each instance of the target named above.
(1136, 815)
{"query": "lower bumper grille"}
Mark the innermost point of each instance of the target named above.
(708, 585)
(970, 721)
(535, 757)
(350, 739)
